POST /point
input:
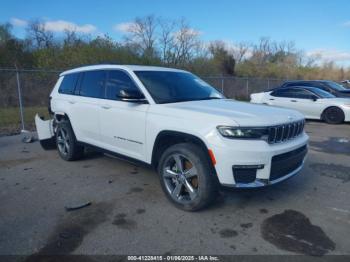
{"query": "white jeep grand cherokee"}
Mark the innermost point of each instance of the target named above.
(170, 119)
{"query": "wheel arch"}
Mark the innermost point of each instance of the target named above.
(167, 138)
(60, 116)
(328, 107)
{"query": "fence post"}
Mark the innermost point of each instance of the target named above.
(268, 84)
(20, 99)
(247, 87)
(222, 85)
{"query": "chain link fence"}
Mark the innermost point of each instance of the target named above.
(240, 88)
(23, 93)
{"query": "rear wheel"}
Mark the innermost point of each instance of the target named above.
(334, 115)
(187, 177)
(66, 142)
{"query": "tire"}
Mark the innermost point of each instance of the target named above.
(333, 115)
(200, 179)
(66, 142)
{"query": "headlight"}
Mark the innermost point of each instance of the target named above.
(244, 132)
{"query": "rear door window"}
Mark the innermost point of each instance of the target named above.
(302, 94)
(285, 92)
(68, 84)
(92, 84)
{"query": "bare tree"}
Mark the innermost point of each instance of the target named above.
(40, 37)
(222, 57)
(5, 32)
(312, 60)
(142, 32)
(241, 51)
(173, 42)
(263, 50)
(166, 39)
(186, 43)
(71, 38)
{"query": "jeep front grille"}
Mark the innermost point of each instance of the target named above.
(285, 132)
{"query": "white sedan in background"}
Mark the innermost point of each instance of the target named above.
(314, 103)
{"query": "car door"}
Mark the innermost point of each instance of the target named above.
(123, 123)
(85, 107)
(280, 97)
(304, 101)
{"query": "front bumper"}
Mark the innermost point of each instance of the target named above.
(231, 153)
(346, 111)
(266, 182)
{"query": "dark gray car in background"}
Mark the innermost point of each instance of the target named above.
(332, 87)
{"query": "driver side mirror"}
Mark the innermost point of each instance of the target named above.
(133, 96)
(314, 98)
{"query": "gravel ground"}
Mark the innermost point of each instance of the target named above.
(308, 214)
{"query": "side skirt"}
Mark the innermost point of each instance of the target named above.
(117, 155)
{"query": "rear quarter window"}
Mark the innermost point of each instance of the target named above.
(68, 84)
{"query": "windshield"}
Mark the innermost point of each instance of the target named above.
(172, 87)
(321, 93)
(336, 86)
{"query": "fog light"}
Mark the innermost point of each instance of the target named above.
(245, 173)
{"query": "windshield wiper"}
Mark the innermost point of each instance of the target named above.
(189, 99)
(210, 98)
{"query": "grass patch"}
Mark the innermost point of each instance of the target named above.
(10, 119)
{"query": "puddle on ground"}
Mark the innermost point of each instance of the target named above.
(246, 225)
(228, 233)
(134, 171)
(135, 190)
(122, 222)
(263, 211)
(332, 170)
(334, 145)
(293, 231)
(140, 211)
(68, 235)
(16, 162)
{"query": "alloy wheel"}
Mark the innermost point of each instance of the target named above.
(63, 141)
(180, 178)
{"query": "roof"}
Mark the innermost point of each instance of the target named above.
(125, 67)
(296, 81)
(294, 87)
(310, 88)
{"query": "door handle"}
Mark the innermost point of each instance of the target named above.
(71, 102)
(293, 100)
(106, 106)
(271, 99)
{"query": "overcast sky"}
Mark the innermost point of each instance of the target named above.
(318, 27)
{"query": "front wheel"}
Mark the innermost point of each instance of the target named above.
(187, 177)
(333, 115)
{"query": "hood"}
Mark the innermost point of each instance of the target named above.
(243, 113)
